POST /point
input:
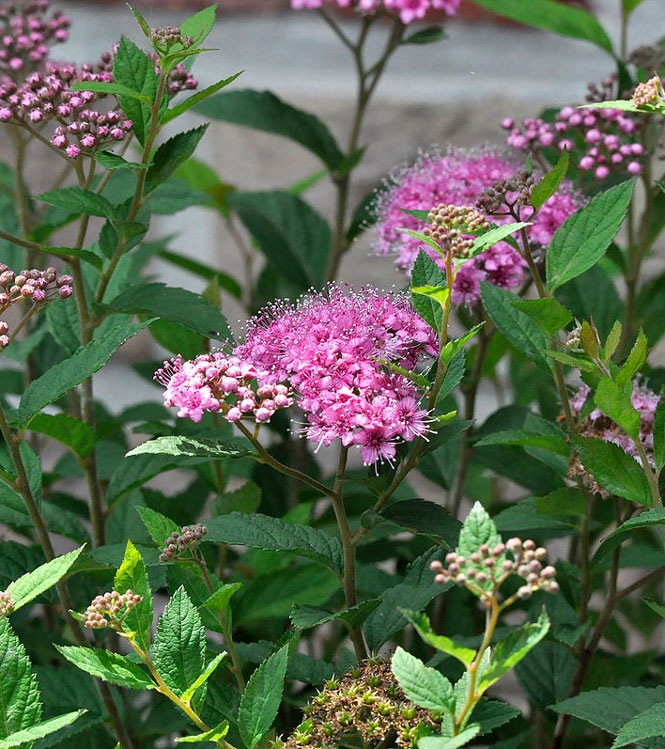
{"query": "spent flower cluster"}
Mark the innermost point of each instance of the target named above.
(216, 383)
(486, 569)
(109, 609)
(6, 603)
(450, 226)
(335, 350)
(407, 10)
(366, 703)
(181, 541)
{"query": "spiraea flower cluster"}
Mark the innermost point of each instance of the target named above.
(164, 39)
(649, 94)
(110, 609)
(459, 177)
(407, 10)
(486, 569)
(605, 141)
(217, 383)
(450, 226)
(335, 349)
(180, 542)
(366, 704)
(596, 424)
(36, 286)
(27, 30)
(6, 603)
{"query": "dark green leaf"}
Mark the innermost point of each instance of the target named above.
(197, 98)
(616, 403)
(306, 617)
(20, 703)
(549, 184)
(424, 686)
(179, 445)
(428, 518)
(107, 666)
(77, 201)
(225, 281)
(426, 36)
(548, 313)
(66, 429)
(133, 68)
(171, 154)
(648, 724)
(26, 736)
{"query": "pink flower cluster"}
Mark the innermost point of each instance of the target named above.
(408, 10)
(459, 177)
(605, 139)
(334, 350)
(26, 34)
(598, 425)
(216, 383)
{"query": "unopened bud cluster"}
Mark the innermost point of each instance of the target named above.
(220, 384)
(649, 94)
(450, 226)
(167, 37)
(37, 286)
(506, 194)
(6, 603)
(178, 542)
(26, 33)
(495, 565)
(110, 609)
(367, 705)
(648, 57)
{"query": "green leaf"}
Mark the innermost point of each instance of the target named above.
(611, 708)
(546, 673)
(659, 435)
(516, 326)
(291, 234)
(262, 697)
(648, 724)
(158, 526)
(583, 238)
(263, 532)
(107, 666)
(180, 643)
(647, 519)
(197, 98)
(426, 36)
(66, 429)
(202, 678)
(179, 445)
(170, 155)
(132, 575)
(423, 238)
(478, 529)
(423, 627)
(441, 742)
(552, 442)
(617, 405)
(426, 272)
(613, 469)
(220, 599)
(40, 730)
(569, 360)
(106, 87)
(34, 583)
(438, 294)
(133, 68)
(549, 184)
(65, 375)
(213, 735)
(112, 161)
(307, 617)
(77, 201)
(171, 303)
(143, 24)
(200, 24)
(20, 702)
(454, 375)
(424, 686)
(510, 651)
(493, 236)
(67, 253)
(427, 518)
(635, 360)
(264, 111)
(550, 315)
(604, 306)
(226, 282)
(552, 16)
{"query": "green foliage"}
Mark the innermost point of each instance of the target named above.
(20, 700)
(132, 575)
(424, 686)
(108, 666)
(34, 583)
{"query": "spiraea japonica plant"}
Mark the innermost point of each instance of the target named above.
(253, 563)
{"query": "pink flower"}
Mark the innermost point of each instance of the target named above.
(334, 349)
(407, 10)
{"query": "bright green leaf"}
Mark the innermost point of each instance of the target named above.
(424, 686)
(107, 666)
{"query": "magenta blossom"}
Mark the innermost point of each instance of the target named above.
(408, 10)
(459, 177)
(334, 349)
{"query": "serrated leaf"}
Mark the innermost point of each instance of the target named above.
(493, 236)
(107, 666)
(583, 238)
(106, 87)
(213, 735)
(426, 272)
(199, 26)
(552, 442)
(34, 583)
(425, 517)
(478, 529)
(40, 730)
(648, 724)
(307, 617)
(72, 432)
(542, 191)
(158, 526)
(264, 111)
(220, 599)
(112, 161)
(424, 686)
(550, 315)
(179, 445)
(170, 155)
(172, 303)
(422, 625)
(197, 98)
(453, 742)
(179, 648)
(262, 697)
(647, 519)
(77, 201)
(263, 532)
(133, 68)
(20, 700)
(635, 360)
(203, 677)
(132, 575)
(65, 375)
(615, 470)
(617, 405)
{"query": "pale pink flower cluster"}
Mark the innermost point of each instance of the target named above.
(334, 349)
(216, 383)
(408, 10)
(459, 177)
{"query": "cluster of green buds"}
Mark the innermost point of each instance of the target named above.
(6, 603)
(366, 704)
(110, 609)
(484, 571)
(167, 37)
(453, 226)
(181, 541)
(649, 94)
